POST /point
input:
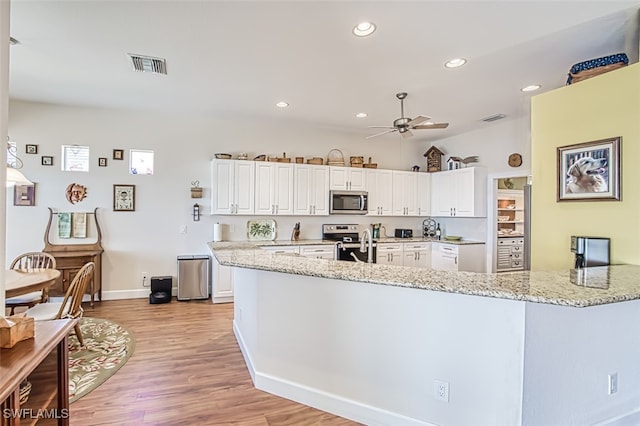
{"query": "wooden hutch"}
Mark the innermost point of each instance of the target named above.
(71, 257)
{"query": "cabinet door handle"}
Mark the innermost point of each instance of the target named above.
(454, 211)
(309, 209)
(276, 209)
(456, 260)
(314, 209)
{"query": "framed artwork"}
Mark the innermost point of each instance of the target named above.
(47, 160)
(589, 171)
(24, 195)
(124, 198)
(118, 154)
(31, 149)
(102, 162)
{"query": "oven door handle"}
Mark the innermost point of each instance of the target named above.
(362, 203)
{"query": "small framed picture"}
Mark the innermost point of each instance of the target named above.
(24, 195)
(118, 154)
(124, 198)
(31, 149)
(102, 162)
(47, 160)
(589, 171)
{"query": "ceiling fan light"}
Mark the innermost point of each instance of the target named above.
(531, 88)
(282, 104)
(455, 63)
(361, 115)
(364, 29)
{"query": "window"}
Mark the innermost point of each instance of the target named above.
(140, 162)
(75, 158)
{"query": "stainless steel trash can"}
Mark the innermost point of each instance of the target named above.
(194, 277)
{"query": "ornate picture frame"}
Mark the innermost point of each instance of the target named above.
(589, 171)
(124, 198)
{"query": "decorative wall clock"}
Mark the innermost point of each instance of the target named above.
(515, 160)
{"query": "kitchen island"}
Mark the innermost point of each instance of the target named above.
(372, 342)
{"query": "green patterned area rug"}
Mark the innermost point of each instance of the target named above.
(108, 346)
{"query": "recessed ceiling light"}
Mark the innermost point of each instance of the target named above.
(455, 63)
(531, 88)
(361, 114)
(364, 29)
(282, 104)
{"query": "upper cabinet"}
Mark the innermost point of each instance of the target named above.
(347, 178)
(424, 194)
(274, 188)
(405, 193)
(311, 186)
(460, 193)
(232, 183)
(380, 187)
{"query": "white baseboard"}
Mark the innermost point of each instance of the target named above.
(331, 403)
(141, 293)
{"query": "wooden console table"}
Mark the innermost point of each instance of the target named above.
(18, 362)
(70, 258)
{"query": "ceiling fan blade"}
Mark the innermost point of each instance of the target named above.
(433, 126)
(406, 134)
(419, 119)
(381, 127)
(382, 133)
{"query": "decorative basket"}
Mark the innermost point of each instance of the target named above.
(370, 165)
(316, 161)
(283, 159)
(335, 158)
(356, 161)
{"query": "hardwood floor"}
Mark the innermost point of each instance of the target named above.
(186, 369)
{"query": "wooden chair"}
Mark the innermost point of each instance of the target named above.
(25, 262)
(71, 305)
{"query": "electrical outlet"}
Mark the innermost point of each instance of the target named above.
(441, 390)
(144, 276)
(183, 229)
(232, 228)
(613, 383)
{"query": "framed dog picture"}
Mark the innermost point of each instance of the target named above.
(589, 171)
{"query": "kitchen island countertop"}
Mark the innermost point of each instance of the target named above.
(571, 287)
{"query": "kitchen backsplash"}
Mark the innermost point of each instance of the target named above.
(234, 228)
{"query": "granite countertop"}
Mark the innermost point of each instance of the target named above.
(276, 243)
(576, 288)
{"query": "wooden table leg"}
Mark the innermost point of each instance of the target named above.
(63, 382)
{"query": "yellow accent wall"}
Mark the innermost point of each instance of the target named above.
(598, 108)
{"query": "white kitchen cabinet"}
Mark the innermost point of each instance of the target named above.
(232, 186)
(510, 254)
(424, 194)
(222, 283)
(405, 193)
(454, 257)
(417, 255)
(282, 249)
(380, 189)
(319, 251)
(274, 188)
(460, 193)
(311, 190)
(347, 178)
(389, 254)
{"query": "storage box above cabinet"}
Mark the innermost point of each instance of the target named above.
(459, 193)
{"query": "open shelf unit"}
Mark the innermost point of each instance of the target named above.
(510, 228)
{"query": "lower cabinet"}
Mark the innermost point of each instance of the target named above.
(454, 257)
(327, 252)
(389, 254)
(417, 255)
(510, 254)
(221, 283)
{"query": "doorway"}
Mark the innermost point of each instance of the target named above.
(507, 222)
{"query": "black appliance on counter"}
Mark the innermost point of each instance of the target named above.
(403, 233)
(347, 242)
(590, 251)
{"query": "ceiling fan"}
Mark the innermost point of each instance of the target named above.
(405, 124)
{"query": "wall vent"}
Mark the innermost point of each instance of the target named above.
(493, 117)
(150, 64)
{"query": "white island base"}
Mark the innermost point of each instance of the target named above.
(371, 353)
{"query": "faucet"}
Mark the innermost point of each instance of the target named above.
(365, 238)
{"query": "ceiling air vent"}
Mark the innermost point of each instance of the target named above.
(148, 64)
(494, 117)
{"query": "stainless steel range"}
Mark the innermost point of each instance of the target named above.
(347, 242)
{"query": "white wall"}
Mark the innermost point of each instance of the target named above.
(148, 239)
(4, 104)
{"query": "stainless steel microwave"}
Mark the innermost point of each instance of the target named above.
(348, 202)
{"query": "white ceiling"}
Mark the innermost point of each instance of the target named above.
(238, 58)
